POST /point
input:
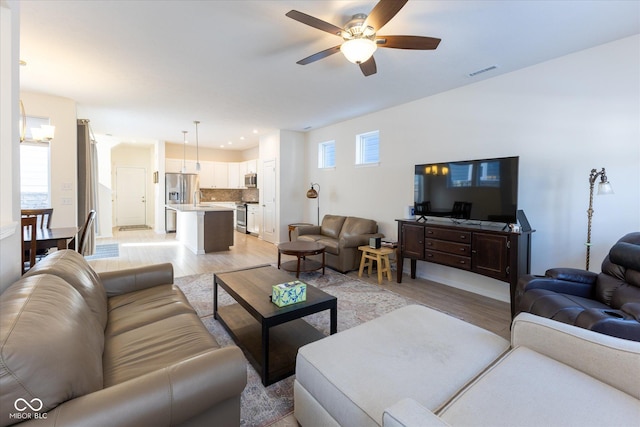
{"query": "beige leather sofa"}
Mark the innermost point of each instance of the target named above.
(123, 348)
(341, 236)
(419, 367)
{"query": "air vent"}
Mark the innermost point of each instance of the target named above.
(484, 70)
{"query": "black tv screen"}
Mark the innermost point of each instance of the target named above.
(482, 190)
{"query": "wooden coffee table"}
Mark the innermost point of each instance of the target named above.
(301, 250)
(270, 336)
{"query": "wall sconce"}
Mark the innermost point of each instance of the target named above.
(604, 187)
(23, 122)
(43, 133)
(312, 193)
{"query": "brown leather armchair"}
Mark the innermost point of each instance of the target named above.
(608, 302)
(341, 236)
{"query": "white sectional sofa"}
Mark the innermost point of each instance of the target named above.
(419, 367)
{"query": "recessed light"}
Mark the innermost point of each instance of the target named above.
(255, 131)
(222, 146)
(242, 138)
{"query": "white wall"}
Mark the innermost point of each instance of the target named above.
(288, 148)
(562, 117)
(63, 152)
(10, 241)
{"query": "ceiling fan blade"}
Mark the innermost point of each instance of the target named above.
(320, 55)
(408, 42)
(314, 22)
(383, 12)
(368, 67)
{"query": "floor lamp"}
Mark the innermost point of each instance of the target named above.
(603, 188)
(315, 194)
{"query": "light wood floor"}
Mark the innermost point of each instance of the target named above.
(147, 247)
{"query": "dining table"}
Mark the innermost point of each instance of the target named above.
(58, 237)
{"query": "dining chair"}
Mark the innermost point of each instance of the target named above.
(43, 216)
(29, 253)
(82, 243)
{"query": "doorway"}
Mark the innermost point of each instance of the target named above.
(131, 190)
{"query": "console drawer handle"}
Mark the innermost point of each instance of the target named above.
(462, 262)
(430, 255)
(463, 237)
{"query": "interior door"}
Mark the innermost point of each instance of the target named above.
(131, 190)
(268, 190)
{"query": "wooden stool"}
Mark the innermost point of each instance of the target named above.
(381, 256)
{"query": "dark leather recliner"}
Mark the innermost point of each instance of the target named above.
(608, 302)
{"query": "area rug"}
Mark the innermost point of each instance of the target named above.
(358, 302)
(108, 250)
(134, 227)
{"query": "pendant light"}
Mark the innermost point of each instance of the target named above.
(184, 151)
(197, 149)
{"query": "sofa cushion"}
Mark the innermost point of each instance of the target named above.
(311, 237)
(331, 225)
(354, 226)
(50, 344)
(331, 245)
(553, 305)
(134, 309)
(357, 373)
(75, 270)
(529, 389)
(154, 346)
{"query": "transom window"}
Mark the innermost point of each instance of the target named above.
(327, 155)
(368, 148)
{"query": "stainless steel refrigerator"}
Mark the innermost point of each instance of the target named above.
(179, 188)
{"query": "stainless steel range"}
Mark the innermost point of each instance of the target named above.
(241, 217)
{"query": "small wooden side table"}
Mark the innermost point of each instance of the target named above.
(301, 250)
(381, 256)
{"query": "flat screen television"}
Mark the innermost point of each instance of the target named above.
(481, 190)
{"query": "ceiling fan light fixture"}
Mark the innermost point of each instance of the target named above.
(358, 50)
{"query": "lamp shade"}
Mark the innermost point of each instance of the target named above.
(604, 188)
(358, 50)
(312, 193)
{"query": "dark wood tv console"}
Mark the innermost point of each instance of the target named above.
(481, 249)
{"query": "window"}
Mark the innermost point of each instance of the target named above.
(327, 155)
(367, 148)
(34, 176)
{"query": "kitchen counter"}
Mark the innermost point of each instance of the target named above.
(203, 207)
(204, 228)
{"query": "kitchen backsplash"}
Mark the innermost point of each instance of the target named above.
(230, 195)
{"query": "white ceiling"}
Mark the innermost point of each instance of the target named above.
(145, 70)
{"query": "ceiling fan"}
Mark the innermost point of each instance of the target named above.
(361, 38)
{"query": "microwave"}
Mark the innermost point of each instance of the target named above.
(251, 180)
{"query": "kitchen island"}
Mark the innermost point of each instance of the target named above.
(204, 228)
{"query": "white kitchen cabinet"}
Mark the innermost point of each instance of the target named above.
(234, 175)
(252, 166)
(242, 171)
(175, 166)
(207, 179)
(220, 175)
(254, 218)
(172, 165)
